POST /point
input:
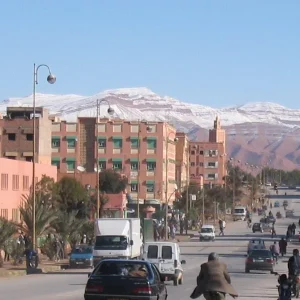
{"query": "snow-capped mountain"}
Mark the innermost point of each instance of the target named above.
(142, 103)
(256, 132)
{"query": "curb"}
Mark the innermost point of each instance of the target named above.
(43, 270)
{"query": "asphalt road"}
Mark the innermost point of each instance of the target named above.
(69, 285)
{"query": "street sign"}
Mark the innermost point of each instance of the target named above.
(193, 197)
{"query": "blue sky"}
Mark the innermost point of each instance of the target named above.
(216, 53)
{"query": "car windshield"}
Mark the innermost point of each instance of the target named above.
(82, 250)
(260, 253)
(206, 230)
(239, 211)
(257, 242)
(121, 268)
(106, 242)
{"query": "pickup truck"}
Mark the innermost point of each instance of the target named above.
(125, 279)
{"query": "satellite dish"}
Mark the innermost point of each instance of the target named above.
(80, 169)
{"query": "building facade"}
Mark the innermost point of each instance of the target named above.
(15, 181)
(182, 160)
(208, 159)
(16, 134)
(145, 152)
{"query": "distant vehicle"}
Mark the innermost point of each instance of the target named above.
(289, 213)
(285, 203)
(239, 213)
(207, 233)
(257, 227)
(276, 204)
(268, 184)
(261, 260)
(81, 256)
(125, 279)
(256, 244)
(271, 219)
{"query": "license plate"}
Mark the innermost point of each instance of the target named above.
(79, 262)
(258, 260)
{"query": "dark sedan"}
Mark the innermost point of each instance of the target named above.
(257, 227)
(120, 279)
(261, 260)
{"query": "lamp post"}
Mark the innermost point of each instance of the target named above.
(167, 183)
(187, 181)
(51, 79)
(110, 111)
(148, 129)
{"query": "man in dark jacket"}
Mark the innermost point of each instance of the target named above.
(294, 263)
(282, 246)
(213, 280)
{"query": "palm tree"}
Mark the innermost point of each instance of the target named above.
(7, 230)
(69, 227)
(45, 215)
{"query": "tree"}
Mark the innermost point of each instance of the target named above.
(112, 182)
(69, 195)
(45, 187)
(45, 214)
(7, 230)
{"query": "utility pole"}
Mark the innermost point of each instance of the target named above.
(97, 162)
(187, 182)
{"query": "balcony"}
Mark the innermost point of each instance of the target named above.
(151, 151)
(101, 150)
(150, 173)
(117, 151)
(71, 150)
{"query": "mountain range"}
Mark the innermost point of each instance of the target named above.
(260, 133)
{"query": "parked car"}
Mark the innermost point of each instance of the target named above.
(125, 279)
(276, 204)
(81, 256)
(257, 227)
(261, 260)
(256, 244)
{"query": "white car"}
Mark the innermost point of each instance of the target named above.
(207, 233)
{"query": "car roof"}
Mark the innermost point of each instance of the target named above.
(207, 226)
(127, 261)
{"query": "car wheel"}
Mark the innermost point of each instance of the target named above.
(247, 271)
(175, 282)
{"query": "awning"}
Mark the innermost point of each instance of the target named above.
(135, 138)
(116, 160)
(70, 159)
(133, 181)
(151, 138)
(71, 137)
(55, 137)
(56, 159)
(150, 160)
(117, 138)
(102, 137)
(134, 159)
(102, 159)
(150, 182)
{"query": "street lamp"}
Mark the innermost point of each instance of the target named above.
(51, 79)
(148, 129)
(175, 140)
(110, 111)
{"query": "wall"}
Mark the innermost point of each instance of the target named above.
(15, 181)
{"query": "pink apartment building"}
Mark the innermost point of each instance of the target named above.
(15, 181)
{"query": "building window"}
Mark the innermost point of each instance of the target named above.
(102, 165)
(201, 164)
(117, 128)
(55, 142)
(25, 183)
(134, 128)
(201, 152)
(11, 136)
(55, 162)
(15, 183)
(151, 165)
(29, 136)
(118, 142)
(134, 165)
(152, 128)
(133, 187)
(101, 143)
(4, 213)
(211, 165)
(192, 164)
(101, 127)
(15, 215)
(71, 143)
(11, 157)
(150, 187)
(29, 158)
(134, 143)
(193, 152)
(117, 165)
(70, 165)
(151, 143)
(211, 176)
(4, 181)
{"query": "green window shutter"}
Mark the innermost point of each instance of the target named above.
(102, 159)
(117, 163)
(150, 182)
(134, 159)
(134, 142)
(151, 166)
(57, 159)
(150, 160)
(133, 182)
(70, 165)
(71, 159)
(101, 142)
(55, 142)
(71, 141)
(55, 163)
(71, 137)
(116, 160)
(151, 143)
(118, 142)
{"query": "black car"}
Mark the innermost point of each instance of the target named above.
(125, 279)
(261, 260)
(257, 227)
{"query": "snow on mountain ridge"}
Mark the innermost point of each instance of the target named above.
(142, 103)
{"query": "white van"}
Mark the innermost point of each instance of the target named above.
(207, 233)
(239, 213)
(166, 256)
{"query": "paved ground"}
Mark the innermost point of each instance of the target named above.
(69, 285)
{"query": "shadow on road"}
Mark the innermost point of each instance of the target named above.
(67, 273)
(220, 254)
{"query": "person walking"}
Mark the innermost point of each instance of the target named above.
(282, 246)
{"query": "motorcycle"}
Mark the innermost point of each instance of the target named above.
(284, 288)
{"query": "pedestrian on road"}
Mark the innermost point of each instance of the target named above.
(282, 246)
(221, 225)
(293, 229)
(275, 251)
(273, 230)
(213, 281)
